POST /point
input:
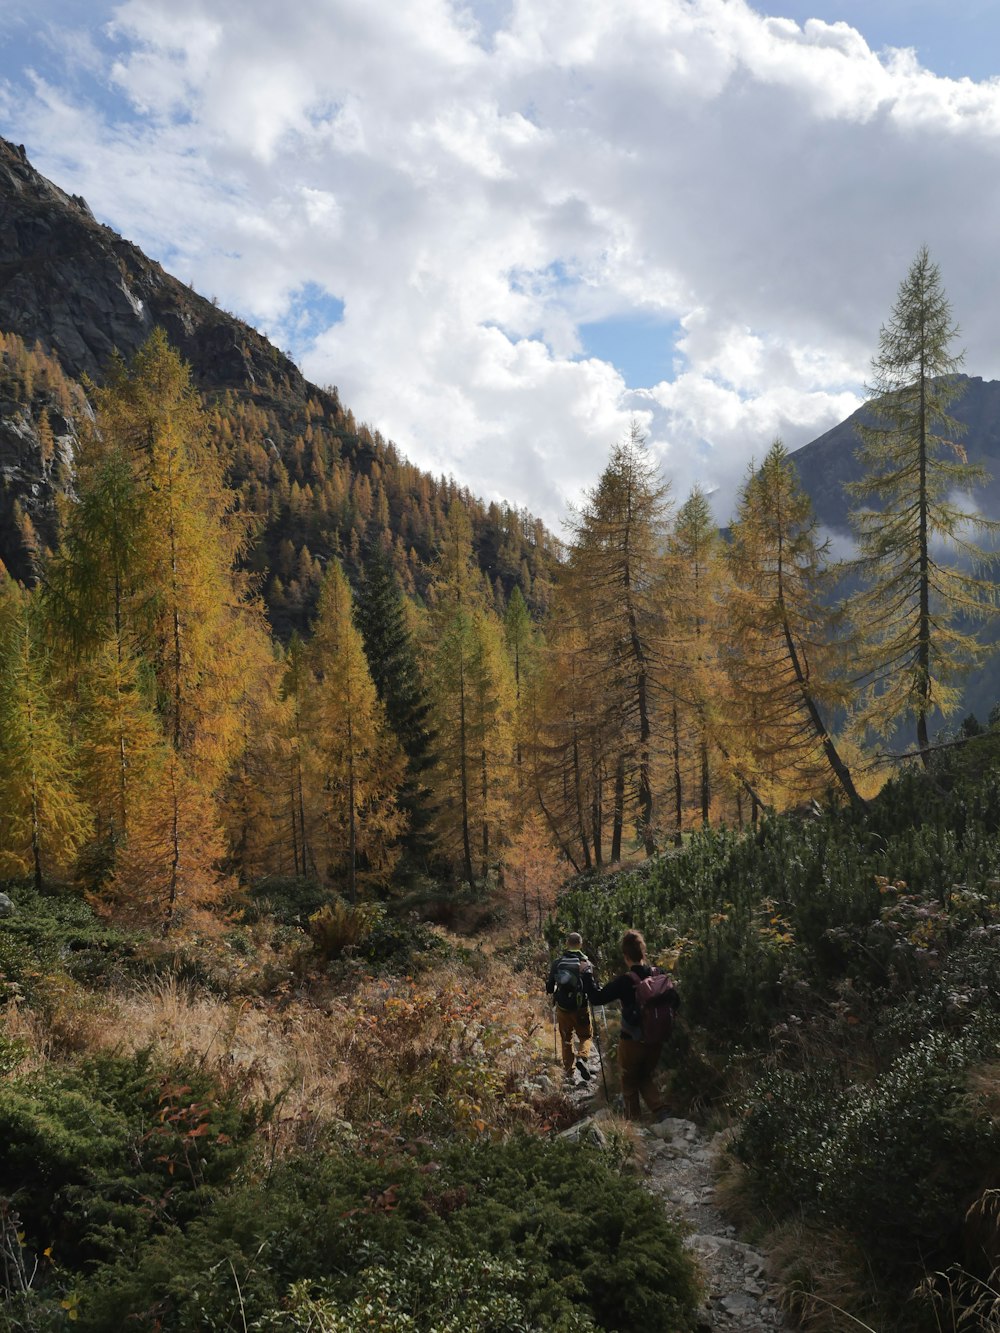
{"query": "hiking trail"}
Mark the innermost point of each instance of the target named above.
(676, 1163)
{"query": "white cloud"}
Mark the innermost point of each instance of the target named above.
(474, 181)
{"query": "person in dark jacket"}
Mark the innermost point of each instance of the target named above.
(573, 1020)
(637, 1059)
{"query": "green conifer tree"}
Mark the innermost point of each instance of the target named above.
(616, 582)
(392, 660)
(360, 760)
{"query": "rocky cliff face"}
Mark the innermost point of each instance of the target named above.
(82, 291)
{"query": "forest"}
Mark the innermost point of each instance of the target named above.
(306, 769)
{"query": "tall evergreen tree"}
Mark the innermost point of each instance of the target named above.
(697, 564)
(917, 557)
(360, 762)
(472, 692)
(392, 660)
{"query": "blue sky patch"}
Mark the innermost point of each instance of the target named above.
(956, 39)
(640, 346)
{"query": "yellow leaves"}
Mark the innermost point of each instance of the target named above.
(682, 947)
(886, 885)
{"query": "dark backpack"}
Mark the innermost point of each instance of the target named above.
(656, 1003)
(568, 989)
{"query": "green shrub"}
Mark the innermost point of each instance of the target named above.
(290, 900)
(428, 1289)
(590, 1240)
(339, 925)
(894, 1161)
(58, 931)
(100, 1157)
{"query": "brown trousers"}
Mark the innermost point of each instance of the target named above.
(637, 1061)
(574, 1022)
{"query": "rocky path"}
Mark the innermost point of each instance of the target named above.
(677, 1162)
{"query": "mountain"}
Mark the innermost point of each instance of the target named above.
(73, 292)
(828, 462)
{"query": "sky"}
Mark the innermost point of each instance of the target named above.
(505, 229)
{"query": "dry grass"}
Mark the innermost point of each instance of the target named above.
(962, 1302)
(824, 1280)
(385, 1046)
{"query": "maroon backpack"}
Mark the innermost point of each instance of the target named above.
(657, 1001)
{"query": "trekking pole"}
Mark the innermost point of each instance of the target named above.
(555, 1033)
(600, 1054)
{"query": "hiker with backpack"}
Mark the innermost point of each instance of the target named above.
(572, 1012)
(649, 1001)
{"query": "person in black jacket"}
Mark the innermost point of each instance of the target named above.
(637, 1059)
(564, 984)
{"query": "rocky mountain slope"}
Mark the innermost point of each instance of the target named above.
(73, 292)
(83, 292)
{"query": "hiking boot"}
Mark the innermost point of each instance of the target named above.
(584, 1072)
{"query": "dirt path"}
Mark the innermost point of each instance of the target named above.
(677, 1165)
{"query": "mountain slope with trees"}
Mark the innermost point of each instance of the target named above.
(317, 483)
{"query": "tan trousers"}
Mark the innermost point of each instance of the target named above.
(574, 1022)
(637, 1063)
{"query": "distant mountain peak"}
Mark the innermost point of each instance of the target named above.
(827, 463)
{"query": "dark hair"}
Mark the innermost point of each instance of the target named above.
(633, 946)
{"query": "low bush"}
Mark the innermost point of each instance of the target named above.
(290, 900)
(895, 1161)
(57, 932)
(100, 1157)
(550, 1228)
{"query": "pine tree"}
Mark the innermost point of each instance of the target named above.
(523, 651)
(473, 705)
(781, 639)
(696, 581)
(392, 659)
(145, 572)
(295, 736)
(473, 714)
(571, 745)
(920, 567)
(252, 797)
(120, 736)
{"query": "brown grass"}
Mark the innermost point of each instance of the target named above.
(385, 1047)
(824, 1281)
